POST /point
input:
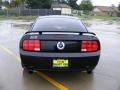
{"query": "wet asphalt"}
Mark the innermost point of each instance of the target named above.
(106, 75)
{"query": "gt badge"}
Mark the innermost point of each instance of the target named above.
(60, 45)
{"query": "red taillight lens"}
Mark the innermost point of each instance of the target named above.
(31, 45)
(89, 46)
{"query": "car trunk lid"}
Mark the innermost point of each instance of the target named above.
(60, 42)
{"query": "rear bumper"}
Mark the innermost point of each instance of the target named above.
(43, 60)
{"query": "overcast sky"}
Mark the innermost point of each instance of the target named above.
(104, 2)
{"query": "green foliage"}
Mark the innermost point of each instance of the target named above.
(119, 6)
(39, 4)
(73, 4)
(0, 3)
(59, 1)
(15, 3)
(23, 1)
(6, 3)
(2, 12)
(86, 6)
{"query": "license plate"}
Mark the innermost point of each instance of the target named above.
(61, 63)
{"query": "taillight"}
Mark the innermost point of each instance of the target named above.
(89, 46)
(31, 45)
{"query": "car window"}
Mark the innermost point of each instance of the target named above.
(59, 24)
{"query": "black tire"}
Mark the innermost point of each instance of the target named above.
(26, 69)
(23, 66)
(30, 71)
(89, 71)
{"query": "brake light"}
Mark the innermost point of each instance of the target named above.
(89, 46)
(31, 45)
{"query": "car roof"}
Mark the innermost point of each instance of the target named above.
(58, 16)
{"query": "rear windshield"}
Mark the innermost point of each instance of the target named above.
(59, 24)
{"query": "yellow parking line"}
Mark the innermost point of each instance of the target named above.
(55, 83)
(50, 80)
(8, 51)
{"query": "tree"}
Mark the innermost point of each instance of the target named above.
(23, 1)
(0, 3)
(86, 6)
(119, 6)
(15, 3)
(39, 4)
(71, 3)
(61, 1)
(6, 3)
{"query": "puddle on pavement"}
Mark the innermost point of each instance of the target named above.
(103, 26)
(11, 25)
(22, 26)
(13, 29)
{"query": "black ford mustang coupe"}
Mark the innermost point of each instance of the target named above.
(59, 43)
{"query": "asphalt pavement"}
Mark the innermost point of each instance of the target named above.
(106, 75)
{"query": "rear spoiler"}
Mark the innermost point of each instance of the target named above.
(79, 33)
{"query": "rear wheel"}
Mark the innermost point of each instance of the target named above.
(23, 66)
(89, 71)
(26, 69)
(30, 71)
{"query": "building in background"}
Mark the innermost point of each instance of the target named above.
(64, 8)
(105, 11)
